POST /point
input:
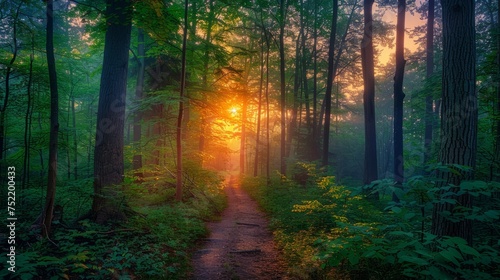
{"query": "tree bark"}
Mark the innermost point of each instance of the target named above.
(8, 72)
(268, 138)
(429, 112)
(108, 152)
(329, 84)
(206, 60)
(259, 106)
(139, 88)
(282, 12)
(398, 98)
(27, 119)
(458, 113)
(314, 144)
(370, 162)
(178, 189)
(54, 124)
(497, 136)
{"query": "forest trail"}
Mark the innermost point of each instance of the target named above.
(240, 245)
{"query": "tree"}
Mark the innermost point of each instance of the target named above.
(139, 88)
(458, 115)
(370, 163)
(8, 72)
(282, 18)
(429, 114)
(54, 123)
(398, 98)
(329, 83)
(497, 138)
(178, 188)
(108, 152)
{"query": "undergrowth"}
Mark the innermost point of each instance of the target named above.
(328, 231)
(155, 242)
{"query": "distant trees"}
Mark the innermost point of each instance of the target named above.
(108, 152)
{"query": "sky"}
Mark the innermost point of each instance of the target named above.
(411, 21)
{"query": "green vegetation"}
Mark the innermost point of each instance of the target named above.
(328, 231)
(155, 243)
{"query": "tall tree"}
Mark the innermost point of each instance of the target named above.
(54, 123)
(139, 88)
(282, 15)
(370, 162)
(398, 98)
(458, 115)
(259, 105)
(329, 83)
(8, 72)
(27, 119)
(206, 62)
(497, 138)
(178, 189)
(313, 142)
(429, 112)
(108, 152)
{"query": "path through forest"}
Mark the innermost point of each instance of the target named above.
(240, 246)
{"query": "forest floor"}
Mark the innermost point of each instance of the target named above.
(240, 245)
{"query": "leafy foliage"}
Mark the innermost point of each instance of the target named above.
(330, 231)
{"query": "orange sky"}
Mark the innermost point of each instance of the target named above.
(410, 22)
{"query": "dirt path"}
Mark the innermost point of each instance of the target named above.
(240, 246)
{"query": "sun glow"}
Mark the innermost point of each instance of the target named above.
(233, 111)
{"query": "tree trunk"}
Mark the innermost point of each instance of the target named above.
(458, 113)
(292, 128)
(54, 124)
(268, 138)
(497, 136)
(27, 120)
(8, 71)
(314, 142)
(429, 113)
(139, 88)
(178, 189)
(206, 60)
(108, 152)
(282, 12)
(243, 139)
(370, 163)
(259, 106)
(329, 84)
(398, 98)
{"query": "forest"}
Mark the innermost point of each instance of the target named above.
(367, 132)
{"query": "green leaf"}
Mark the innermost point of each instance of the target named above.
(353, 259)
(424, 253)
(457, 240)
(409, 216)
(451, 255)
(466, 249)
(415, 260)
(401, 233)
(396, 209)
(493, 214)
